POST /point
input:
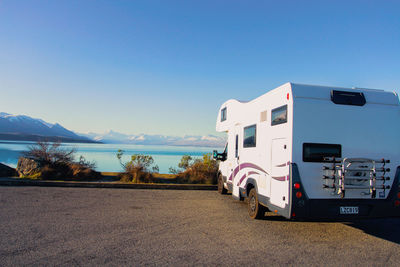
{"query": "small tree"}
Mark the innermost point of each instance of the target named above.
(186, 161)
(183, 165)
(198, 171)
(50, 154)
(138, 169)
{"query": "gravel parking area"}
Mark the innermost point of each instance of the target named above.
(92, 226)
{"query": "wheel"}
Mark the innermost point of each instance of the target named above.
(256, 210)
(221, 188)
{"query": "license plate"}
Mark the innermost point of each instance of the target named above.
(348, 210)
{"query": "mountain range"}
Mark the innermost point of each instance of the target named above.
(22, 127)
(111, 137)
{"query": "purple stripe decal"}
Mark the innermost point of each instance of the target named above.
(243, 166)
(241, 179)
(281, 165)
(244, 176)
(279, 178)
(251, 165)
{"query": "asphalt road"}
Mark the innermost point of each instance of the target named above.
(79, 226)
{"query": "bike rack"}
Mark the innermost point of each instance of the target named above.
(355, 173)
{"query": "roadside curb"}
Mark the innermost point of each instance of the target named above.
(107, 185)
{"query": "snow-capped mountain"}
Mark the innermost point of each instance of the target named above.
(21, 127)
(113, 137)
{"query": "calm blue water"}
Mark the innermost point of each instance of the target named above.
(105, 154)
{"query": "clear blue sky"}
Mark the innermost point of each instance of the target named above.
(166, 66)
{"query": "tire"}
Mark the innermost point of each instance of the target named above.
(221, 188)
(256, 210)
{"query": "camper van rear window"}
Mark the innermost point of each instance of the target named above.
(348, 98)
(313, 152)
(249, 136)
(223, 114)
(279, 115)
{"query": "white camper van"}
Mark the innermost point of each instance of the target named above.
(305, 151)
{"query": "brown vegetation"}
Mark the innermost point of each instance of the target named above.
(198, 171)
(51, 161)
(139, 169)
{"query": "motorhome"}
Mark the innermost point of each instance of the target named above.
(305, 151)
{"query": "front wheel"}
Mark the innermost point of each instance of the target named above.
(256, 210)
(221, 188)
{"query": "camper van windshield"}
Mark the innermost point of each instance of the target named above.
(313, 152)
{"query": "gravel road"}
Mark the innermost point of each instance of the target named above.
(91, 227)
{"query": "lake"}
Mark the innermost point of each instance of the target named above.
(105, 154)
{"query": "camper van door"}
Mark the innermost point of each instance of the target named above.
(279, 172)
(236, 161)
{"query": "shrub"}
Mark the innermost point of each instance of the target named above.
(49, 154)
(183, 165)
(51, 161)
(199, 171)
(139, 169)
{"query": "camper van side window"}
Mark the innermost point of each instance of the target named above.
(249, 136)
(313, 152)
(223, 114)
(279, 115)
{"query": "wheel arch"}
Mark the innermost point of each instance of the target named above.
(251, 183)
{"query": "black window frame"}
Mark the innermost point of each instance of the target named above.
(223, 114)
(237, 146)
(309, 158)
(348, 98)
(285, 107)
(253, 144)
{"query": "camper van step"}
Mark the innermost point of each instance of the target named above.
(328, 186)
(328, 177)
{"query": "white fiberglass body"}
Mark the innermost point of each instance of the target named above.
(287, 127)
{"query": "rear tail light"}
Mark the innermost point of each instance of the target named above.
(296, 186)
(299, 194)
(397, 203)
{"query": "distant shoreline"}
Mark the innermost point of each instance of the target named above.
(111, 143)
(36, 138)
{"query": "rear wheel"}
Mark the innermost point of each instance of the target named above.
(256, 210)
(221, 188)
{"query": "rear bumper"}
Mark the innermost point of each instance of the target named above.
(330, 208)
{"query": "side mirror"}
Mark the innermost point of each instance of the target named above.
(219, 156)
(215, 154)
